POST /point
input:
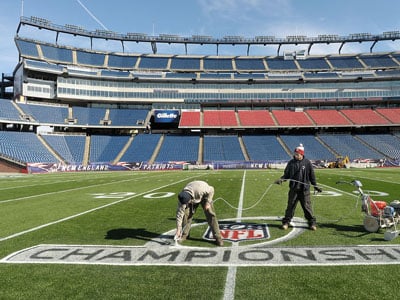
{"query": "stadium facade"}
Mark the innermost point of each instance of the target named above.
(76, 108)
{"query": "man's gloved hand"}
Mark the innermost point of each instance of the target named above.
(178, 235)
(278, 181)
(317, 189)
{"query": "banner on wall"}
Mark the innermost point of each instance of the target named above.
(166, 116)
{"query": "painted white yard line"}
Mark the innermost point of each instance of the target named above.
(68, 190)
(35, 185)
(230, 282)
(63, 191)
(48, 181)
(88, 211)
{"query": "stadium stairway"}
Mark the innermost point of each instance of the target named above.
(369, 146)
(157, 149)
(200, 155)
(327, 146)
(288, 151)
(51, 150)
(86, 152)
(243, 147)
(123, 150)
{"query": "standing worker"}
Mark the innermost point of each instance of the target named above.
(300, 172)
(195, 193)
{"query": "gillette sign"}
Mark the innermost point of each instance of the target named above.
(166, 116)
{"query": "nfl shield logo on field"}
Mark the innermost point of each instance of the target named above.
(236, 232)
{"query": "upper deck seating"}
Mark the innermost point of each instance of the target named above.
(48, 114)
(219, 118)
(27, 48)
(122, 61)
(153, 62)
(264, 148)
(313, 63)
(291, 118)
(327, 117)
(222, 148)
(8, 110)
(378, 61)
(179, 148)
(181, 63)
(217, 64)
(279, 64)
(88, 116)
(344, 62)
(250, 64)
(127, 117)
(364, 117)
(90, 58)
(58, 54)
(257, 118)
(190, 119)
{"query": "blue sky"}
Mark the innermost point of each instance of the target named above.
(216, 18)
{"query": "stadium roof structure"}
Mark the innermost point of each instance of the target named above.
(82, 75)
(209, 40)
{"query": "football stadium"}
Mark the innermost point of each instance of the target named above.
(96, 145)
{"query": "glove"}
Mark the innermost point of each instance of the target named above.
(278, 181)
(178, 235)
(317, 189)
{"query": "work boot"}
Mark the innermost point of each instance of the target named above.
(184, 238)
(219, 242)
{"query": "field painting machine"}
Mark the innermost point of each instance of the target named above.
(378, 214)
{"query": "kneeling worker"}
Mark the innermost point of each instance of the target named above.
(195, 193)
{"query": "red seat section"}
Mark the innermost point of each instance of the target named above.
(190, 119)
(255, 118)
(219, 118)
(392, 114)
(327, 117)
(291, 118)
(364, 117)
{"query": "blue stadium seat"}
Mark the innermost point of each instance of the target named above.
(222, 148)
(24, 147)
(142, 148)
(105, 148)
(8, 110)
(264, 148)
(179, 148)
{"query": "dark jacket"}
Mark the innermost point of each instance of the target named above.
(301, 172)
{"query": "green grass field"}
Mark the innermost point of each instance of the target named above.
(132, 208)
